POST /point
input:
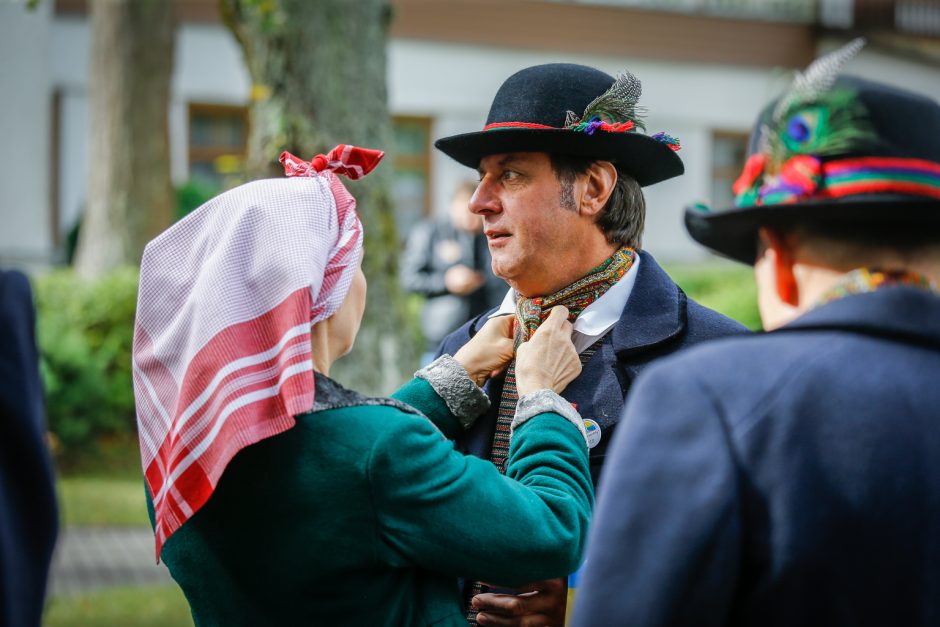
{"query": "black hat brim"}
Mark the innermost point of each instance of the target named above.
(649, 161)
(733, 232)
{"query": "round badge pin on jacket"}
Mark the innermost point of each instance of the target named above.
(593, 432)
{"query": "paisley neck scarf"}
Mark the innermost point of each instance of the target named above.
(863, 280)
(531, 312)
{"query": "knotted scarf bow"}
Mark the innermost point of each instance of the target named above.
(347, 160)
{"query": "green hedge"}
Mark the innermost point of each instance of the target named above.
(85, 330)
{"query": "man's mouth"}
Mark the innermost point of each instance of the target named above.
(494, 235)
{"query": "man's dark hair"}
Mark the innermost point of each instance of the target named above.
(874, 234)
(886, 234)
(623, 216)
(845, 244)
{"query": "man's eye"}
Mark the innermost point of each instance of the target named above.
(509, 175)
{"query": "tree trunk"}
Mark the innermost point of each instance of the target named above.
(130, 197)
(318, 74)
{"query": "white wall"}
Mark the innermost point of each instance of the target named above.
(876, 64)
(25, 169)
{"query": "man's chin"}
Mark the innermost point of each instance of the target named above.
(504, 269)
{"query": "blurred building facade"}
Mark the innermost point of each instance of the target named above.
(707, 67)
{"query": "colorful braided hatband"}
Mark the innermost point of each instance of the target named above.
(805, 177)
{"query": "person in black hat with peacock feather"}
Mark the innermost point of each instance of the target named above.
(791, 478)
(562, 159)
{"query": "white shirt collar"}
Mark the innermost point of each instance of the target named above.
(598, 317)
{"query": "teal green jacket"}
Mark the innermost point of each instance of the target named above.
(364, 514)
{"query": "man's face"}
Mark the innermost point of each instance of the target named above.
(533, 240)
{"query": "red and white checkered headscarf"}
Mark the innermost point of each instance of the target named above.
(222, 355)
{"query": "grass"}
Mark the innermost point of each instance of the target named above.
(147, 606)
(98, 501)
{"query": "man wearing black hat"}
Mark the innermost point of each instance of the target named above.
(561, 161)
(792, 478)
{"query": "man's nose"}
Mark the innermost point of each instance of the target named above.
(484, 201)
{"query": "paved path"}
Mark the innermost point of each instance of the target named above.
(90, 558)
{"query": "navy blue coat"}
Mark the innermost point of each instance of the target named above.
(658, 320)
(788, 478)
(28, 518)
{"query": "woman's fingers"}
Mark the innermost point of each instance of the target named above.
(557, 317)
(489, 350)
(503, 326)
(548, 359)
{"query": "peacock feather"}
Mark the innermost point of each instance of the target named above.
(616, 105)
(812, 117)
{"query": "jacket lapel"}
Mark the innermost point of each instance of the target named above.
(655, 312)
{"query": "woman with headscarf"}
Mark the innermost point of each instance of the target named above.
(278, 497)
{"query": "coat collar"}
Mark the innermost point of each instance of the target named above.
(654, 313)
(902, 312)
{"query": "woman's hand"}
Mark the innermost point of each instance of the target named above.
(548, 359)
(489, 350)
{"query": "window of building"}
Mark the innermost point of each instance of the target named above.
(412, 185)
(218, 140)
(729, 151)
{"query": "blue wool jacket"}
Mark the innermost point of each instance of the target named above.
(28, 516)
(658, 320)
(787, 478)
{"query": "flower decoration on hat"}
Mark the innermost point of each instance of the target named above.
(614, 111)
(669, 140)
(811, 121)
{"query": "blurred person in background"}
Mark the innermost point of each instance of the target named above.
(279, 497)
(447, 261)
(793, 477)
(562, 159)
(28, 512)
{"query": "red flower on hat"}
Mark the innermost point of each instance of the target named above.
(799, 178)
(804, 171)
(753, 168)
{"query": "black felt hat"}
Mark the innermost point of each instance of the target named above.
(547, 108)
(876, 161)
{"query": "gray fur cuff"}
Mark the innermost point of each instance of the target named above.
(542, 401)
(452, 383)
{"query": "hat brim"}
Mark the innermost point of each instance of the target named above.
(733, 232)
(647, 160)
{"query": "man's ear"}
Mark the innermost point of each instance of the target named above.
(780, 253)
(599, 182)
